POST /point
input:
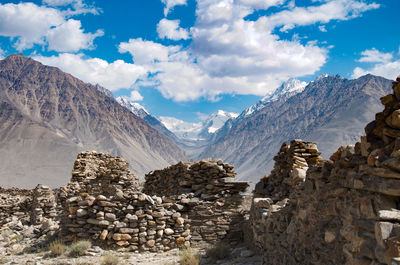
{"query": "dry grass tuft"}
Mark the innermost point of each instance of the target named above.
(57, 248)
(109, 259)
(189, 257)
(79, 248)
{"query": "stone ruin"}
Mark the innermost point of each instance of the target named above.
(344, 210)
(104, 202)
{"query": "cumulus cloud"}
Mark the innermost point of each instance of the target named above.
(146, 52)
(113, 76)
(388, 70)
(230, 54)
(69, 37)
(170, 29)
(29, 24)
(76, 7)
(324, 13)
(383, 64)
(375, 56)
(135, 96)
(170, 4)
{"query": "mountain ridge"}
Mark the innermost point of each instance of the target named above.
(250, 144)
(48, 116)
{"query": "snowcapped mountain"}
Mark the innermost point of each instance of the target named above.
(182, 129)
(134, 107)
(145, 115)
(200, 130)
(288, 89)
(214, 122)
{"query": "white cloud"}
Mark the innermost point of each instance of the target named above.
(113, 76)
(231, 55)
(384, 65)
(170, 4)
(329, 10)
(135, 96)
(322, 28)
(78, 7)
(375, 56)
(69, 37)
(146, 52)
(170, 29)
(28, 24)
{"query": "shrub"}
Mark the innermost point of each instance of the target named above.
(79, 248)
(188, 256)
(57, 248)
(218, 252)
(109, 259)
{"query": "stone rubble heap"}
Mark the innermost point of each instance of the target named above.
(347, 210)
(207, 179)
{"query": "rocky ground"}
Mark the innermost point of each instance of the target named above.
(17, 247)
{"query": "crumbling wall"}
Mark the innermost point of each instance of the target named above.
(347, 209)
(216, 209)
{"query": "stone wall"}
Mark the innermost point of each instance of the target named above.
(102, 202)
(347, 209)
(216, 209)
(15, 203)
(207, 179)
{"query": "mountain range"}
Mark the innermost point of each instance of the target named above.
(330, 110)
(47, 117)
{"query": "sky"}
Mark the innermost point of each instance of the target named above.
(188, 58)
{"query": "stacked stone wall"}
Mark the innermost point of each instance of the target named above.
(347, 209)
(216, 209)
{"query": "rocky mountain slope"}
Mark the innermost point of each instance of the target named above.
(331, 111)
(48, 116)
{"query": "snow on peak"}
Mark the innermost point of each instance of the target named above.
(182, 129)
(199, 130)
(288, 89)
(133, 107)
(217, 119)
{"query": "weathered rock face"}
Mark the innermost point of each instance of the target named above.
(346, 211)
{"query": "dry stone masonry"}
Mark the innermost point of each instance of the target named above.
(207, 179)
(215, 205)
(347, 209)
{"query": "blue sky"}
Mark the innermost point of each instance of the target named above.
(187, 58)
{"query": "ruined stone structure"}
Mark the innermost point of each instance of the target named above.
(216, 209)
(346, 210)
